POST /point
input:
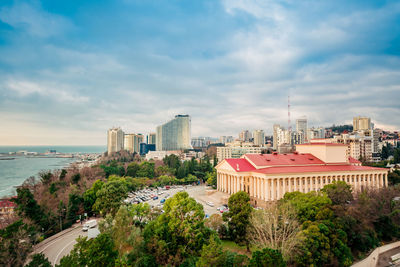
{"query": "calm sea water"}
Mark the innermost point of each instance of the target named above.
(15, 172)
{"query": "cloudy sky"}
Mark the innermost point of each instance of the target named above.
(69, 70)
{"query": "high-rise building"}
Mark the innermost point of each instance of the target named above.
(151, 138)
(301, 125)
(361, 123)
(226, 139)
(275, 136)
(259, 137)
(245, 136)
(129, 141)
(115, 140)
(132, 142)
(174, 135)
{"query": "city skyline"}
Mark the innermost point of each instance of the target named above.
(70, 71)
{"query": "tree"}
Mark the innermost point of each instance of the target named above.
(94, 252)
(307, 205)
(238, 217)
(339, 192)
(146, 170)
(132, 169)
(90, 196)
(63, 174)
(211, 254)
(75, 206)
(140, 213)
(29, 208)
(211, 178)
(110, 196)
(178, 233)
(214, 222)
(39, 260)
(267, 258)
(15, 244)
(275, 227)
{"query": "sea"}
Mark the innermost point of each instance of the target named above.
(14, 172)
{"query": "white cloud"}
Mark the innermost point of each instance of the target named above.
(35, 20)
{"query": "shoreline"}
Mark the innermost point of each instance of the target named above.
(79, 162)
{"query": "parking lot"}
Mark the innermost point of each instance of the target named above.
(210, 199)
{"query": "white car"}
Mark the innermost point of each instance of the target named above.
(89, 224)
(209, 203)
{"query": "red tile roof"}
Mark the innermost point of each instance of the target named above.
(264, 160)
(317, 168)
(243, 164)
(7, 203)
(283, 163)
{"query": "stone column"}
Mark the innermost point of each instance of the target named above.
(272, 189)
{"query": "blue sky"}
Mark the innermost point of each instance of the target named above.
(69, 70)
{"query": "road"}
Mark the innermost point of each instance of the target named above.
(59, 245)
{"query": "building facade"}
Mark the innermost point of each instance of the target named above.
(132, 142)
(301, 127)
(151, 138)
(236, 151)
(174, 135)
(361, 123)
(245, 136)
(115, 140)
(259, 137)
(267, 177)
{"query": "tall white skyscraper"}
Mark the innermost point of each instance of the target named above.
(174, 135)
(259, 137)
(115, 140)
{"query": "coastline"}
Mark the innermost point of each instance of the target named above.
(15, 171)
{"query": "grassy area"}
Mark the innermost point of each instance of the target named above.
(232, 246)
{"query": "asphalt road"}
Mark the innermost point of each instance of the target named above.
(59, 245)
(56, 247)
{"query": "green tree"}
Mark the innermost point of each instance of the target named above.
(308, 205)
(211, 178)
(76, 178)
(146, 170)
(132, 169)
(99, 251)
(140, 213)
(90, 196)
(211, 254)
(172, 161)
(63, 174)
(238, 217)
(110, 196)
(39, 260)
(178, 233)
(15, 244)
(339, 192)
(267, 258)
(75, 207)
(29, 208)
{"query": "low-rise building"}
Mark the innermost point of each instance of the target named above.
(267, 177)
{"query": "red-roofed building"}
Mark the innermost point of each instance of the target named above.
(267, 177)
(7, 207)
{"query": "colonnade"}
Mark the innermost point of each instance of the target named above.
(273, 188)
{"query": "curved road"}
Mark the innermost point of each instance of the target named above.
(59, 245)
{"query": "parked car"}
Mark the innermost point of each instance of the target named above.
(155, 197)
(209, 203)
(162, 200)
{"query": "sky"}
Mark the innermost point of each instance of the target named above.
(70, 70)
